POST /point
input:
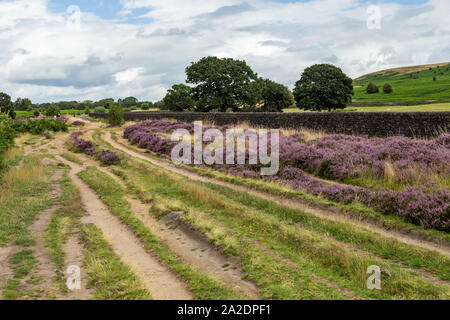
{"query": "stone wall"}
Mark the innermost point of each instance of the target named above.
(411, 124)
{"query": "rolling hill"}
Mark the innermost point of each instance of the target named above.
(414, 83)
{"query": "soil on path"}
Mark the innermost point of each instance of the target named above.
(161, 282)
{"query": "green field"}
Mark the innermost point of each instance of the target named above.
(63, 112)
(436, 107)
(409, 84)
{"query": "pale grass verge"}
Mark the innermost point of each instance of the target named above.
(11, 154)
(29, 173)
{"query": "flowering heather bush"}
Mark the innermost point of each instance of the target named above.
(415, 204)
(338, 157)
(82, 145)
(341, 156)
(105, 156)
(108, 157)
(78, 123)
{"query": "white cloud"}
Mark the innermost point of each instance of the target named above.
(128, 75)
(45, 59)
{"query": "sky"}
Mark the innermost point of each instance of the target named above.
(53, 50)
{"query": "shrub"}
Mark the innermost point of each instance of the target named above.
(372, 88)
(7, 134)
(115, 115)
(108, 157)
(87, 110)
(52, 111)
(38, 126)
(81, 145)
(387, 88)
(100, 110)
(78, 123)
(37, 113)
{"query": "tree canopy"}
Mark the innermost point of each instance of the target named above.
(52, 110)
(276, 97)
(179, 98)
(323, 87)
(6, 106)
(219, 84)
(372, 88)
(129, 102)
(23, 104)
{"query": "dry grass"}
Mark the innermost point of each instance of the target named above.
(389, 172)
(308, 134)
(30, 173)
(11, 154)
(404, 70)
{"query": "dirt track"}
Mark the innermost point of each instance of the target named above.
(161, 282)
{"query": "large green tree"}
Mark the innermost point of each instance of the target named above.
(264, 95)
(179, 98)
(323, 87)
(103, 103)
(52, 110)
(6, 105)
(220, 84)
(23, 104)
(129, 102)
(276, 97)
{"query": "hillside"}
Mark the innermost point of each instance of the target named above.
(414, 83)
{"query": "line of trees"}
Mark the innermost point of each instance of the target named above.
(7, 106)
(222, 85)
(228, 85)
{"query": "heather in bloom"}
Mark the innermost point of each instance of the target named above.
(337, 157)
(108, 157)
(105, 156)
(78, 123)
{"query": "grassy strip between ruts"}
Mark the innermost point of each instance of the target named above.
(62, 224)
(277, 280)
(112, 279)
(359, 237)
(22, 262)
(23, 193)
(72, 158)
(327, 257)
(202, 286)
(355, 209)
(383, 247)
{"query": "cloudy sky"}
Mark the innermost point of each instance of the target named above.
(50, 51)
